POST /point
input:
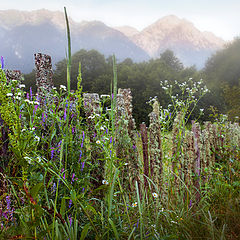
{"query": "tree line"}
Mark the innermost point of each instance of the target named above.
(221, 75)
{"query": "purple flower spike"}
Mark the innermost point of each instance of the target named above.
(65, 114)
(52, 153)
(82, 166)
(80, 156)
(2, 62)
(70, 203)
(190, 203)
(31, 93)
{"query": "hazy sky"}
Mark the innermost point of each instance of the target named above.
(221, 17)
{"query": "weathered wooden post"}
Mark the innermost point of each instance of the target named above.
(197, 161)
(44, 73)
(155, 146)
(13, 75)
(144, 136)
(125, 132)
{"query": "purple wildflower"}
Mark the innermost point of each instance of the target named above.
(82, 166)
(53, 187)
(31, 92)
(70, 203)
(52, 153)
(43, 117)
(190, 203)
(65, 113)
(73, 175)
(70, 220)
(82, 139)
(2, 62)
(8, 200)
(110, 139)
(80, 156)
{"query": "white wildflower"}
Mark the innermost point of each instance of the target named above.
(37, 138)
(105, 96)
(98, 142)
(63, 87)
(18, 98)
(155, 195)
(9, 94)
(134, 204)
(105, 182)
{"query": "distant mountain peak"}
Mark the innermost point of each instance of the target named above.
(127, 30)
(20, 31)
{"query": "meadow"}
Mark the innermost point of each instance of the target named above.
(75, 165)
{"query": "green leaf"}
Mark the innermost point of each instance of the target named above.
(34, 190)
(85, 231)
(114, 228)
(63, 206)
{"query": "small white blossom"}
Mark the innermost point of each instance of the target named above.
(105, 182)
(22, 86)
(36, 103)
(104, 96)
(9, 94)
(102, 128)
(18, 98)
(98, 142)
(37, 138)
(63, 87)
(155, 195)
(134, 204)
(27, 100)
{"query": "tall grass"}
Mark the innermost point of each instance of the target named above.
(64, 179)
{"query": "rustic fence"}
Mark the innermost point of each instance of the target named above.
(193, 152)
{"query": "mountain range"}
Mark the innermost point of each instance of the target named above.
(23, 33)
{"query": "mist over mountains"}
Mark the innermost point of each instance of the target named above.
(23, 33)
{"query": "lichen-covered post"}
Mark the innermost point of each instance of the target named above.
(13, 75)
(126, 142)
(155, 146)
(127, 96)
(197, 167)
(177, 138)
(91, 103)
(188, 160)
(44, 73)
(144, 136)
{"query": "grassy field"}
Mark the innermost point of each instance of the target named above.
(75, 166)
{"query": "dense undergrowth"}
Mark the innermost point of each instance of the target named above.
(62, 178)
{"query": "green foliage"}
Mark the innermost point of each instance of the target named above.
(222, 71)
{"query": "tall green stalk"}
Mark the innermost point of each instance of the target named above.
(69, 53)
(114, 94)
